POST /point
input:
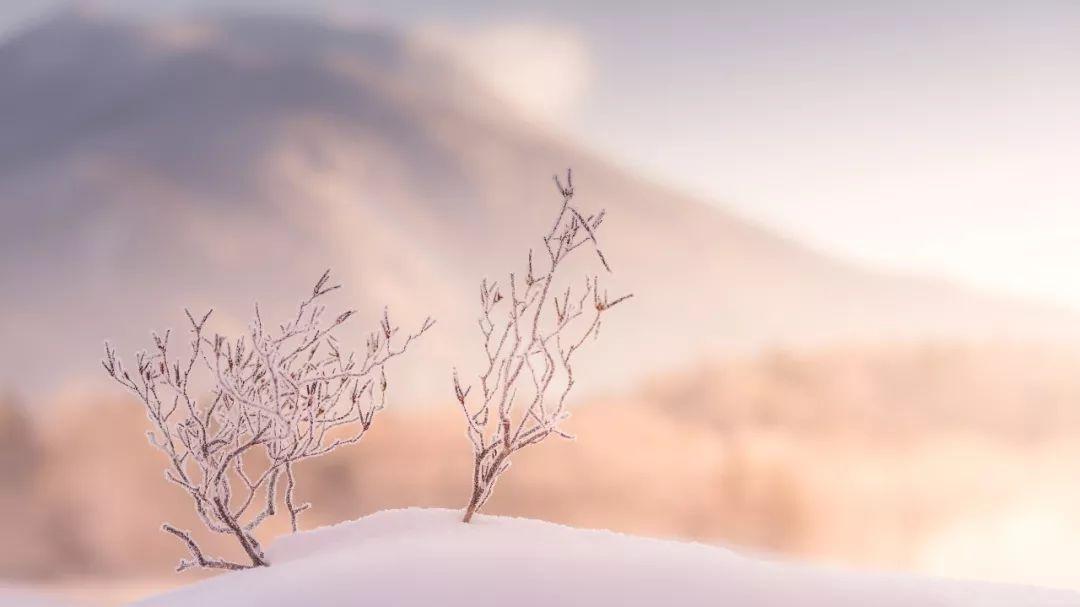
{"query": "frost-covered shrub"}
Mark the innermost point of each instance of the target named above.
(531, 331)
(235, 415)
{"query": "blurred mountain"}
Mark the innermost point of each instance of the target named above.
(145, 167)
(836, 455)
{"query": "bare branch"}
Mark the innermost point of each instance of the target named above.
(286, 394)
(531, 339)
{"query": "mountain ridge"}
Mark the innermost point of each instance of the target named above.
(237, 163)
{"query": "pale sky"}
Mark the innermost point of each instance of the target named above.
(933, 137)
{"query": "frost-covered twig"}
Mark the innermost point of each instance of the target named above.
(287, 394)
(530, 337)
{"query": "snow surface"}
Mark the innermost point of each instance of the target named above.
(428, 557)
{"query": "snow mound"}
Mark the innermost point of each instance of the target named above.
(428, 557)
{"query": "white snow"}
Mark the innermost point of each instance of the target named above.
(428, 557)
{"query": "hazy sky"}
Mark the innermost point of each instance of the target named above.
(928, 136)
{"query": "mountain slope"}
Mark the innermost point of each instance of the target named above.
(426, 557)
(148, 167)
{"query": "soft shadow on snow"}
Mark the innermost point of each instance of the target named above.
(428, 557)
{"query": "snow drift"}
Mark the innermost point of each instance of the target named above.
(427, 557)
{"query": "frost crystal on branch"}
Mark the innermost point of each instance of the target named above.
(531, 331)
(276, 396)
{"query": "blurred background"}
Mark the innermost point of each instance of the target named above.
(852, 230)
